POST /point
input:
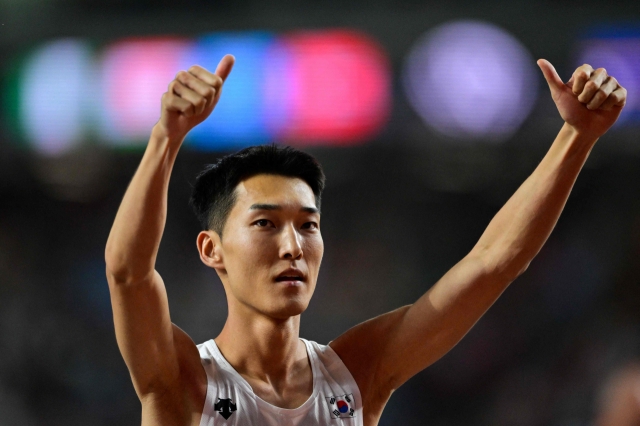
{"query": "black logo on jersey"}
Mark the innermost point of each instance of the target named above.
(225, 407)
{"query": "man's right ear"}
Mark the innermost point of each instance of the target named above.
(210, 249)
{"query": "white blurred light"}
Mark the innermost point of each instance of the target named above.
(52, 110)
(471, 80)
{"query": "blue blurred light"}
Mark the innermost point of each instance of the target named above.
(309, 87)
(240, 118)
(471, 80)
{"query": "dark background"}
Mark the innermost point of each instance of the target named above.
(398, 212)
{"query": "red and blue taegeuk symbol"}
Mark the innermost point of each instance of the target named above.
(343, 407)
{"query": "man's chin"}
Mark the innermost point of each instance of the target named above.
(283, 309)
(291, 309)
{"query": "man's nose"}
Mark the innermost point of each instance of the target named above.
(290, 247)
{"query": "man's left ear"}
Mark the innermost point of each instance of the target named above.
(210, 249)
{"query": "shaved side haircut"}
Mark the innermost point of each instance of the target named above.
(214, 194)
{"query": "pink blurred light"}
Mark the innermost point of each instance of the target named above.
(135, 74)
(339, 88)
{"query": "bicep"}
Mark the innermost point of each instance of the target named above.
(144, 332)
(411, 338)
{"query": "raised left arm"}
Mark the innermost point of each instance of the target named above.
(384, 352)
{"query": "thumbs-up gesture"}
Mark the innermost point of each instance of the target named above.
(590, 101)
(191, 98)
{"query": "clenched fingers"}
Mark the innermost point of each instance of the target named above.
(173, 102)
(197, 102)
(194, 90)
(617, 98)
(213, 80)
(580, 78)
(601, 95)
(592, 85)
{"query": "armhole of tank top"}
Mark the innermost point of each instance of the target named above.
(208, 401)
(334, 358)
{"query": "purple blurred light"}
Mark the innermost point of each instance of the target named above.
(621, 59)
(471, 80)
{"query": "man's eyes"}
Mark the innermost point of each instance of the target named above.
(262, 223)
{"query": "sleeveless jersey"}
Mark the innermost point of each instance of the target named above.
(230, 401)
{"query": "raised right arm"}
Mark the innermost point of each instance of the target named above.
(143, 327)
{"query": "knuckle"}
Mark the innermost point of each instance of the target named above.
(590, 86)
(210, 92)
(586, 68)
(581, 74)
(600, 95)
(195, 68)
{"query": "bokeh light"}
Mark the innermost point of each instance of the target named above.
(471, 80)
(239, 117)
(53, 96)
(339, 87)
(619, 54)
(307, 87)
(133, 76)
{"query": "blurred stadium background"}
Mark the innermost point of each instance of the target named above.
(426, 116)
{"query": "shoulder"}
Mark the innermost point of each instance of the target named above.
(362, 349)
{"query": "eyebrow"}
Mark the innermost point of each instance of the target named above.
(279, 207)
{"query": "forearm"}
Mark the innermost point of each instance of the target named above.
(519, 230)
(135, 236)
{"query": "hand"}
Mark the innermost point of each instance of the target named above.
(590, 101)
(191, 98)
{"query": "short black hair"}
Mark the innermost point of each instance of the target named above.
(214, 194)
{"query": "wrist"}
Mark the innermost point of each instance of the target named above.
(162, 143)
(578, 136)
(161, 134)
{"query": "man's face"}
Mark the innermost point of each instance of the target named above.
(273, 227)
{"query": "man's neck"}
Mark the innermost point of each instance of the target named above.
(262, 348)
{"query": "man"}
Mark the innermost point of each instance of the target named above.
(263, 240)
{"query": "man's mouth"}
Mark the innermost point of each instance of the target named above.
(291, 275)
(289, 278)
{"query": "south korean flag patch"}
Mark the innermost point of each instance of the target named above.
(343, 406)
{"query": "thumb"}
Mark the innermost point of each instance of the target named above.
(224, 67)
(551, 75)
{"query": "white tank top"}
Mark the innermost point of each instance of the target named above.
(230, 401)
